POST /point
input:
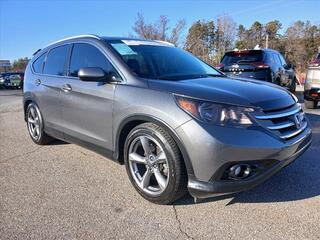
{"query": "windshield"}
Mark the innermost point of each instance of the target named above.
(242, 57)
(159, 61)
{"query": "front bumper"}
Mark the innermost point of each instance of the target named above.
(12, 84)
(209, 155)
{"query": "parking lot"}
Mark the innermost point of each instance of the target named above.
(63, 191)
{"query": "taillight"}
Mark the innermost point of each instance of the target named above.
(259, 65)
(220, 66)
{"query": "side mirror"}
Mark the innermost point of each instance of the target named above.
(288, 66)
(92, 74)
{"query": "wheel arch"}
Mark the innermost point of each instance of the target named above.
(129, 123)
(26, 103)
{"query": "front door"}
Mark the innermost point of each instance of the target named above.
(87, 107)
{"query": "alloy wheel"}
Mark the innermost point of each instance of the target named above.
(34, 123)
(148, 165)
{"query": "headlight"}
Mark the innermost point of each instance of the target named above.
(219, 114)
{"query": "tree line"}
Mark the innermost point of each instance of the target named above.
(210, 39)
(18, 65)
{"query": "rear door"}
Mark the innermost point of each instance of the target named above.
(286, 74)
(49, 85)
(87, 106)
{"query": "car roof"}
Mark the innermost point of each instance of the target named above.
(253, 50)
(104, 38)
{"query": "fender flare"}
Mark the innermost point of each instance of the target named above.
(162, 124)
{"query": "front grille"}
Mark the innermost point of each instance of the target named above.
(284, 123)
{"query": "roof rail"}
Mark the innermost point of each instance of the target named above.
(74, 37)
(164, 42)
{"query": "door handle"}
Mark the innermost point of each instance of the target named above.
(67, 88)
(37, 82)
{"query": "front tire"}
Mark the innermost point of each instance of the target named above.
(35, 125)
(293, 86)
(154, 164)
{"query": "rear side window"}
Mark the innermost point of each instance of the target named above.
(86, 55)
(38, 63)
(15, 77)
(276, 59)
(283, 62)
(268, 58)
(231, 58)
(56, 61)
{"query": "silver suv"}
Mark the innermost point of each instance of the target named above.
(175, 122)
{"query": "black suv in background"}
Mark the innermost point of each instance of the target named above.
(263, 64)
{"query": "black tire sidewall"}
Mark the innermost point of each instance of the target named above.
(293, 86)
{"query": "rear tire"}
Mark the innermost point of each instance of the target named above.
(293, 86)
(166, 181)
(310, 104)
(35, 125)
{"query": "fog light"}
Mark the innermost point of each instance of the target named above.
(239, 171)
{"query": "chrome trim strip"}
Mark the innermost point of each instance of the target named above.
(281, 126)
(279, 115)
(292, 134)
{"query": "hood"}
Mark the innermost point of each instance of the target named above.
(235, 91)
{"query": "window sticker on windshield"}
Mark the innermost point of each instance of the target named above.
(123, 49)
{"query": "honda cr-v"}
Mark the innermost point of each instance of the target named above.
(175, 122)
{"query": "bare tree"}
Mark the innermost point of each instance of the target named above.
(159, 30)
(301, 42)
(176, 33)
(225, 35)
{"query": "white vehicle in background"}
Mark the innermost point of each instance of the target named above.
(312, 86)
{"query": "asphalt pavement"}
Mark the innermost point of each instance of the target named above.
(63, 191)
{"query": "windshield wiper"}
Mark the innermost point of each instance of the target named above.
(214, 75)
(191, 76)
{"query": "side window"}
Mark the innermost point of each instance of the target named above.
(276, 59)
(283, 62)
(269, 58)
(86, 55)
(38, 63)
(56, 61)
